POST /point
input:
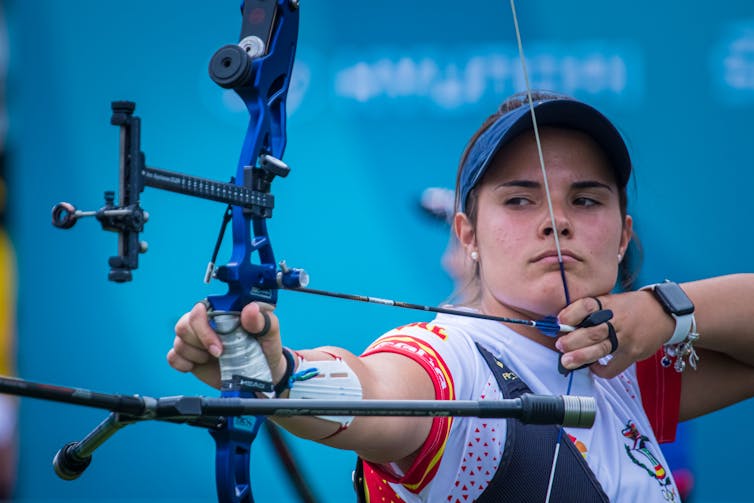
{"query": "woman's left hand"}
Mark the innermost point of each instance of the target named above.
(640, 324)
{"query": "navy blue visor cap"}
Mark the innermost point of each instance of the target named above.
(559, 112)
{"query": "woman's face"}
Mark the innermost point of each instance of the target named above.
(513, 235)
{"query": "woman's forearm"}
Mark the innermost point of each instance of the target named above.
(724, 312)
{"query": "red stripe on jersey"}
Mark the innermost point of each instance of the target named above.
(661, 395)
(427, 461)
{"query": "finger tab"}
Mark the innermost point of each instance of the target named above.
(596, 318)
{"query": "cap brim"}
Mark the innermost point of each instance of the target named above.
(564, 113)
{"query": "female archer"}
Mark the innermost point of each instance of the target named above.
(539, 242)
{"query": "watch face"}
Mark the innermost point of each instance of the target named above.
(674, 299)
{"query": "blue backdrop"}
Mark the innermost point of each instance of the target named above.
(384, 98)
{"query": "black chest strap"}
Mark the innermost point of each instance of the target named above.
(524, 470)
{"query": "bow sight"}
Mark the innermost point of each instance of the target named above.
(128, 218)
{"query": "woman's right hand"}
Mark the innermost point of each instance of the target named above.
(640, 324)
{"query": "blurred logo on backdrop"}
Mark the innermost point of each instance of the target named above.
(384, 80)
(381, 80)
(732, 64)
(475, 76)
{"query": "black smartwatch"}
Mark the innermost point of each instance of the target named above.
(677, 304)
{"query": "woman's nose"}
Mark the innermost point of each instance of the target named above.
(561, 222)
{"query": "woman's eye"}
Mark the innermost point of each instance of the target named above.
(517, 201)
(585, 201)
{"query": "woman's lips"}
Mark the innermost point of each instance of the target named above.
(551, 256)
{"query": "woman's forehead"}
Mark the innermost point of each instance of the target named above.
(566, 153)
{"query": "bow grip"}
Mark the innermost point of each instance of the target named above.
(243, 365)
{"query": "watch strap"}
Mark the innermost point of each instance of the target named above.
(683, 323)
(683, 326)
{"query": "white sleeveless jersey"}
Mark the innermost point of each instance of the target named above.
(461, 455)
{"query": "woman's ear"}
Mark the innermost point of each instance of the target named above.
(464, 230)
(626, 233)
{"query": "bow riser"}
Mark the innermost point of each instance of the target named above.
(262, 83)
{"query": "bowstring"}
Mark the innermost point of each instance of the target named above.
(555, 231)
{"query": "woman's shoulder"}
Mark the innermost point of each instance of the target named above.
(444, 345)
(443, 333)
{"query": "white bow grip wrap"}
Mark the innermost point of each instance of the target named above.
(242, 354)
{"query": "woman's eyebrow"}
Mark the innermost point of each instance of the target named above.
(591, 184)
(530, 184)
